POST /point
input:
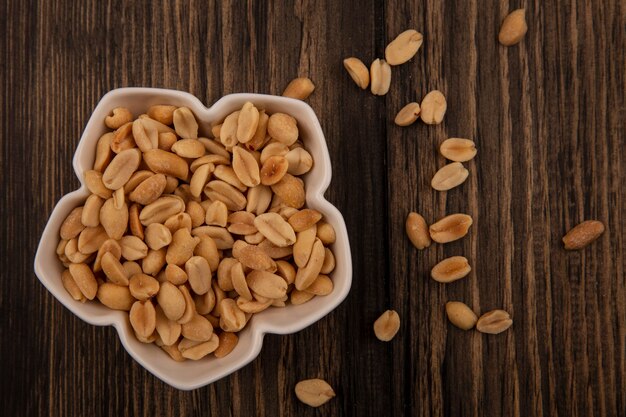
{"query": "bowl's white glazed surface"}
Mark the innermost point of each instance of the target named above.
(193, 374)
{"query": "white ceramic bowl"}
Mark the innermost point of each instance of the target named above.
(193, 374)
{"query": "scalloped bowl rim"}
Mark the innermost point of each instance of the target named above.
(193, 374)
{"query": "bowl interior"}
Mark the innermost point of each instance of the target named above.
(192, 374)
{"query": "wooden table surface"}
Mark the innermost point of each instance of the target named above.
(548, 119)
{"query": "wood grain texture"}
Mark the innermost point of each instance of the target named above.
(548, 119)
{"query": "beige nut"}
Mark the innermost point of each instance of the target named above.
(304, 219)
(458, 149)
(160, 127)
(91, 238)
(304, 245)
(433, 108)
(238, 280)
(70, 286)
(143, 286)
(403, 47)
(322, 285)
(131, 268)
(198, 329)
(121, 168)
(224, 273)
(167, 140)
(143, 318)
(116, 297)
(188, 148)
(90, 215)
(417, 231)
(149, 190)
(114, 221)
(253, 306)
(228, 131)
(290, 190)
(200, 178)
(175, 274)
(207, 248)
(120, 116)
(513, 28)
(259, 199)
(449, 176)
(273, 148)
(380, 76)
(154, 262)
(84, 279)
(461, 315)
(161, 209)
(93, 181)
(162, 113)
(171, 301)
(168, 330)
(273, 170)
(167, 163)
(450, 228)
(136, 228)
(267, 284)
(314, 392)
(307, 274)
(197, 350)
(241, 223)
(226, 193)
(300, 161)
(205, 303)
(300, 297)
(232, 319)
(104, 154)
(260, 136)
(185, 123)
(178, 221)
(114, 270)
(146, 136)
(254, 257)
(326, 233)
(181, 248)
(190, 306)
(72, 253)
(299, 88)
(222, 238)
(408, 114)
(246, 167)
(227, 174)
(108, 245)
(196, 213)
(174, 352)
(275, 252)
(123, 138)
(215, 148)
(72, 225)
(228, 342)
(275, 229)
(283, 128)
(387, 325)
(494, 322)
(583, 234)
(329, 262)
(133, 248)
(157, 236)
(137, 178)
(358, 71)
(247, 122)
(199, 274)
(451, 269)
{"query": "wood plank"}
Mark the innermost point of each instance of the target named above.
(548, 119)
